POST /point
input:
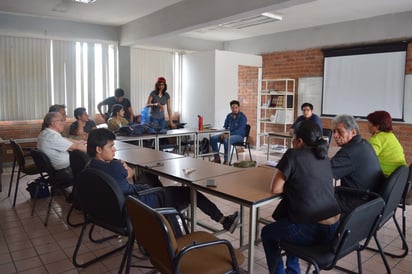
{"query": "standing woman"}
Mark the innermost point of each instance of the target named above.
(384, 142)
(308, 213)
(117, 119)
(158, 98)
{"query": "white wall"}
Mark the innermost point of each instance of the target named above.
(198, 83)
(210, 82)
(53, 29)
(226, 86)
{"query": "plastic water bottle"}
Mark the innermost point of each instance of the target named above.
(145, 114)
(199, 122)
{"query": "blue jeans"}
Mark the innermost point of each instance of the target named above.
(160, 122)
(215, 139)
(301, 234)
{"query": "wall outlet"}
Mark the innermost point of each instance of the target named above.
(9, 151)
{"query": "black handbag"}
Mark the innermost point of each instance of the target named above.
(42, 186)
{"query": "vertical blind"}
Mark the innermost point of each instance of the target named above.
(146, 66)
(36, 73)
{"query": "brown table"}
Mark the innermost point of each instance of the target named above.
(141, 156)
(174, 169)
(281, 135)
(209, 132)
(120, 145)
(250, 188)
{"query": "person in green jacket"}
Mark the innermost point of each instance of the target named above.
(384, 142)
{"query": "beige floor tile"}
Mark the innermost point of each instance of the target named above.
(27, 246)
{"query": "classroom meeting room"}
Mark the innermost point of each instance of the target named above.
(220, 136)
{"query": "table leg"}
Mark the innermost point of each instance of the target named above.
(193, 202)
(252, 232)
(241, 229)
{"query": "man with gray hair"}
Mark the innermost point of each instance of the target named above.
(356, 163)
(56, 147)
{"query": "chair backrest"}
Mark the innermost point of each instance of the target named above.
(392, 190)
(18, 153)
(247, 132)
(78, 161)
(327, 132)
(42, 162)
(101, 200)
(357, 226)
(154, 233)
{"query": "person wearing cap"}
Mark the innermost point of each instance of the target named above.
(83, 125)
(157, 100)
(118, 98)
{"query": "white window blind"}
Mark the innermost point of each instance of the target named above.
(146, 66)
(36, 73)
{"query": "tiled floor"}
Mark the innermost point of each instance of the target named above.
(27, 246)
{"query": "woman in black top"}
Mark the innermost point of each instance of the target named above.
(308, 213)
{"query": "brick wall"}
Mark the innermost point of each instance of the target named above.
(247, 92)
(22, 130)
(306, 63)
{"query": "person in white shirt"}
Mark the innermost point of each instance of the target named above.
(57, 148)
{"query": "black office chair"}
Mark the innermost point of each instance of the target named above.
(244, 144)
(24, 167)
(327, 132)
(78, 161)
(106, 210)
(392, 191)
(103, 204)
(402, 206)
(47, 171)
(354, 233)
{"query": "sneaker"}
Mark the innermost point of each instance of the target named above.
(216, 160)
(230, 222)
(226, 163)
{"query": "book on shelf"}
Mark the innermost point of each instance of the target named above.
(273, 101)
(280, 101)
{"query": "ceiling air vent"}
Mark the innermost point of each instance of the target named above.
(260, 19)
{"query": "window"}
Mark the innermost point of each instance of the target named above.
(37, 73)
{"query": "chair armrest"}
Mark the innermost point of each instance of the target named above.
(196, 245)
(149, 191)
(171, 211)
(341, 190)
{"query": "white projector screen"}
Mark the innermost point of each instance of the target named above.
(359, 84)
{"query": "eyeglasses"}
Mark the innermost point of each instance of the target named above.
(58, 120)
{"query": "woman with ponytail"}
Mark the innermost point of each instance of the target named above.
(308, 213)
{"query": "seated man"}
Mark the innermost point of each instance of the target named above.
(236, 123)
(307, 113)
(56, 147)
(356, 163)
(100, 146)
(83, 125)
(62, 110)
(59, 108)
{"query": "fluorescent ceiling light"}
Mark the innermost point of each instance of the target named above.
(84, 1)
(260, 19)
(271, 15)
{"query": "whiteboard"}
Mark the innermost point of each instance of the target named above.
(310, 90)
